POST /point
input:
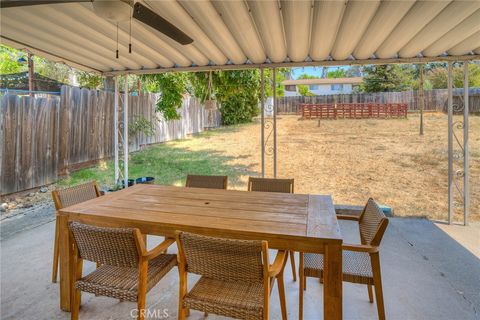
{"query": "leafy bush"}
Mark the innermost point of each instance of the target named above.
(237, 93)
(141, 125)
(172, 87)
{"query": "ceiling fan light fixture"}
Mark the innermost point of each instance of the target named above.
(116, 11)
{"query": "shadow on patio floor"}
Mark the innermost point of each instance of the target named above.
(426, 275)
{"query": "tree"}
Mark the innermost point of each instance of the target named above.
(53, 70)
(9, 60)
(280, 77)
(306, 76)
(353, 71)
(172, 87)
(379, 78)
(438, 76)
(237, 92)
(304, 91)
(89, 80)
(238, 95)
(337, 73)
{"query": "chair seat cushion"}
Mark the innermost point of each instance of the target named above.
(357, 267)
(241, 300)
(122, 282)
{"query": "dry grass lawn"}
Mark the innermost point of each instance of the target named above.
(355, 159)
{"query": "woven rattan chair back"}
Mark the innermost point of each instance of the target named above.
(77, 194)
(222, 259)
(211, 182)
(372, 224)
(106, 246)
(270, 185)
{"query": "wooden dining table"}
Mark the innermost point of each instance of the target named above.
(298, 222)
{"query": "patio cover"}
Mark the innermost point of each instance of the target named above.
(238, 34)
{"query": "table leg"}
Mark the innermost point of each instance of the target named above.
(332, 282)
(66, 264)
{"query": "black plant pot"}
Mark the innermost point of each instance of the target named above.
(145, 180)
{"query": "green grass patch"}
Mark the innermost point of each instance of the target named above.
(169, 163)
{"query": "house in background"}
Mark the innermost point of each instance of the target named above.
(322, 86)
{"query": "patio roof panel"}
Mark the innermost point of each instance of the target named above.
(355, 21)
(81, 17)
(388, 15)
(326, 21)
(268, 19)
(236, 17)
(466, 45)
(49, 42)
(209, 20)
(416, 18)
(462, 31)
(297, 20)
(243, 34)
(172, 11)
(448, 19)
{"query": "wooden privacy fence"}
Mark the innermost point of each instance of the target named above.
(41, 138)
(354, 110)
(435, 100)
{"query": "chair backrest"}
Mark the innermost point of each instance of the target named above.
(222, 259)
(372, 224)
(106, 246)
(76, 194)
(211, 182)
(270, 185)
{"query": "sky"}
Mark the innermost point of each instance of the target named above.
(312, 71)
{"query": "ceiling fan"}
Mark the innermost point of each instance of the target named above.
(117, 11)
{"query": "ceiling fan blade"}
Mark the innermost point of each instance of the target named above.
(150, 18)
(21, 3)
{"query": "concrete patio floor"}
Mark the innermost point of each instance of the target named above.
(426, 275)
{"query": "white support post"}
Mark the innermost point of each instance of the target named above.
(115, 131)
(450, 144)
(274, 122)
(466, 156)
(262, 125)
(125, 132)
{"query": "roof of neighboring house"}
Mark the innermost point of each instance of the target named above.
(354, 80)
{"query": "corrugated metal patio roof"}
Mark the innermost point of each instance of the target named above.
(236, 34)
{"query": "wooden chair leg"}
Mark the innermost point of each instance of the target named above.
(76, 304)
(142, 289)
(281, 292)
(76, 294)
(55, 253)
(370, 293)
(377, 282)
(302, 281)
(292, 261)
(182, 312)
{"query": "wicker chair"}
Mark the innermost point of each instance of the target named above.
(69, 197)
(127, 270)
(211, 182)
(236, 276)
(361, 262)
(275, 185)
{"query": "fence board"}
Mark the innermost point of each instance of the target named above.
(41, 138)
(435, 100)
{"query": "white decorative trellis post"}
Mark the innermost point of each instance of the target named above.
(458, 149)
(269, 124)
